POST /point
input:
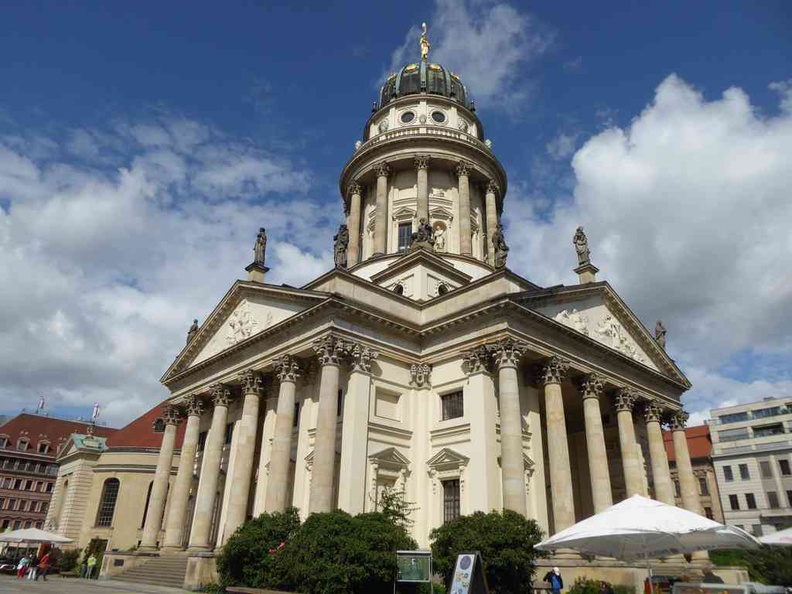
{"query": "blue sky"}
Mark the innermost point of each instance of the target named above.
(142, 146)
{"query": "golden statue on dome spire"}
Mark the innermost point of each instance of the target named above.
(425, 45)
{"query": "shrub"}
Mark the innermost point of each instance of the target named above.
(769, 565)
(505, 541)
(584, 585)
(246, 560)
(68, 560)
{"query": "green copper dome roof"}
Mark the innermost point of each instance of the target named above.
(424, 77)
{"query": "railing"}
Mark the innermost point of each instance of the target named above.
(423, 131)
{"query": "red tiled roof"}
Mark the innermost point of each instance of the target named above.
(698, 439)
(42, 428)
(140, 432)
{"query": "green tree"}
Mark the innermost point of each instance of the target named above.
(769, 565)
(394, 505)
(505, 541)
(252, 556)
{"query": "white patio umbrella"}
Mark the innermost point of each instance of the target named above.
(642, 528)
(782, 538)
(33, 536)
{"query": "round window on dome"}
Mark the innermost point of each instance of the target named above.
(439, 117)
(407, 117)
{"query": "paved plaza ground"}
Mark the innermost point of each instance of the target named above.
(77, 586)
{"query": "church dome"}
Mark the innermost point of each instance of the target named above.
(424, 77)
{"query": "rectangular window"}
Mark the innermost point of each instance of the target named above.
(744, 474)
(733, 434)
(772, 499)
(2, 502)
(789, 498)
(703, 486)
(750, 500)
(50, 487)
(229, 434)
(768, 430)
(405, 236)
(727, 474)
(766, 412)
(708, 513)
(17, 524)
(453, 406)
(734, 503)
(734, 418)
(202, 440)
(783, 466)
(44, 507)
(451, 510)
(766, 469)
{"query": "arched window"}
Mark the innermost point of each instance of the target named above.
(442, 289)
(107, 503)
(399, 289)
(43, 447)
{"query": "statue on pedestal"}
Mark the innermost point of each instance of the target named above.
(424, 236)
(260, 248)
(192, 331)
(341, 240)
(499, 247)
(425, 45)
(660, 334)
(581, 247)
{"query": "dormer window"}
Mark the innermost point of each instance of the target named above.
(3, 441)
(43, 447)
(22, 444)
(399, 289)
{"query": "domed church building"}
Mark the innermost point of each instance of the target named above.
(420, 363)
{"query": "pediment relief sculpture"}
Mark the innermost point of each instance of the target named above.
(610, 333)
(574, 319)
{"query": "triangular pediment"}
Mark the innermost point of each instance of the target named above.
(247, 310)
(446, 459)
(390, 457)
(422, 275)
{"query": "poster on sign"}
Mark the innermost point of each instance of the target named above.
(469, 575)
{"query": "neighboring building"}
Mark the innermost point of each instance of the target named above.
(29, 444)
(752, 453)
(420, 362)
(700, 448)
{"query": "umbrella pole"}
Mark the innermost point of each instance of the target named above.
(649, 573)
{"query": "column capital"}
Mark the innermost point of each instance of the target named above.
(477, 360)
(463, 168)
(421, 161)
(625, 399)
(382, 169)
(492, 187)
(354, 188)
(251, 382)
(554, 370)
(507, 352)
(678, 420)
(361, 357)
(591, 386)
(194, 406)
(420, 375)
(221, 395)
(170, 415)
(287, 369)
(330, 350)
(653, 412)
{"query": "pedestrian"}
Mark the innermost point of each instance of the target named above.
(43, 566)
(555, 580)
(91, 565)
(22, 567)
(33, 567)
(84, 566)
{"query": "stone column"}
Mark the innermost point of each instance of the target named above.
(354, 431)
(210, 470)
(353, 254)
(422, 169)
(506, 355)
(492, 219)
(287, 371)
(159, 490)
(557, 446)
(330, 351)
(601, 492)
(687, 480)
(180, 494)
(625, 400)
(661, 475)
(381, 216)
(245, 448)
(465, 239)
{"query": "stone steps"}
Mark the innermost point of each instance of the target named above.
(159, 571)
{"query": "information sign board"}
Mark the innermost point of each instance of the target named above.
(469, 575)
(414, 566)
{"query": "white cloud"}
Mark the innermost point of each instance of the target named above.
(104, 268)
(562, 146)
(688, 215)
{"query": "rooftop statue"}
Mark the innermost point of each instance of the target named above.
(192, 331)
(499, 247)
(341, 240)
(425, 45)
(581, 247)
(660, 334)
(260, 248)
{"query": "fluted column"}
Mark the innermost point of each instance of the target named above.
(422, 170)
(287, 371)
(180, 494)
(625, 401)
(210, 470)
(557, 446)
(381, 216)
(601, 493)
(353, 252)
(506, 355)
(245, 448)
(330, 351)
(492, 219)
(465, 239)
(354, 431)
(661, 475)
(687, 480)
(159, 489)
